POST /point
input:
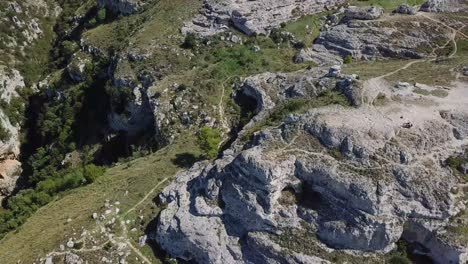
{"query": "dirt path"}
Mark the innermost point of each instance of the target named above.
(146, 196)
(222, 116)
(443, 24)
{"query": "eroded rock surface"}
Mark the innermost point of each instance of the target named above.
(357, 178)
(444, 6)
(125, 7)
(392, 37)
(251, 17)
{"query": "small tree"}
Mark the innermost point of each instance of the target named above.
(209, 139)
(348, 59)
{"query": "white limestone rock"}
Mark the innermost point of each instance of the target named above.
(252, 17)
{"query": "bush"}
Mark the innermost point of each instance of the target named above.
(68, 48)
(92, 172)
(299, 45)
(209, 139)
(92, 23)
(348, 59)
(190, 41)
(102, 14)
(4, 134)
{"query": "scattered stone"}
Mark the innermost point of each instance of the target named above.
(465, 70)
(255, 48)
(49, 260)
(71, 258)
(334, 71)
(464, 168)
(95, 216)
(70, 243)
(403, 85)
(142, 240)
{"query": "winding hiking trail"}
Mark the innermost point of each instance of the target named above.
(146, 196)
(377, 81)
(122, 238)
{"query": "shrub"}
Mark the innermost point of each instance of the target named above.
(92, 23)
(4, 134)
(209, 139)
(68, 48)
(102, 14)
(299, 45)
(92, 172)
(348, 59)
(190, 41)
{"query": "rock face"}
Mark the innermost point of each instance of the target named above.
(124, 7)
(10, 168)
(363, 13)
(400, 37)
(357, 178)
(76, 69)
(406, 10)
(138, 112)
(443, 6)
(251, 17)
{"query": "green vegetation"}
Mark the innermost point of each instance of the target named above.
(307, 28)
(388, 5)
(456, 162)
(348, 59)
(190, 41)
(209, 140)
(127, 183)
(4, 134)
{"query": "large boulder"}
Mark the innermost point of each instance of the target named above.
(363, 12)
(406, 10)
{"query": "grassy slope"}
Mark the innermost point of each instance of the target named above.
(48, 227)
(388, 5)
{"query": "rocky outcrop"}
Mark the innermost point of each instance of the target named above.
(252, 17)
(77, 67)
(137, 114)
(406, 10)
(124, 7)
(357, 178)
(10, 169)
(400, 37)
(363, 12)
(438, 6)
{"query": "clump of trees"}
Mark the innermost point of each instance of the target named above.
(27, 201)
